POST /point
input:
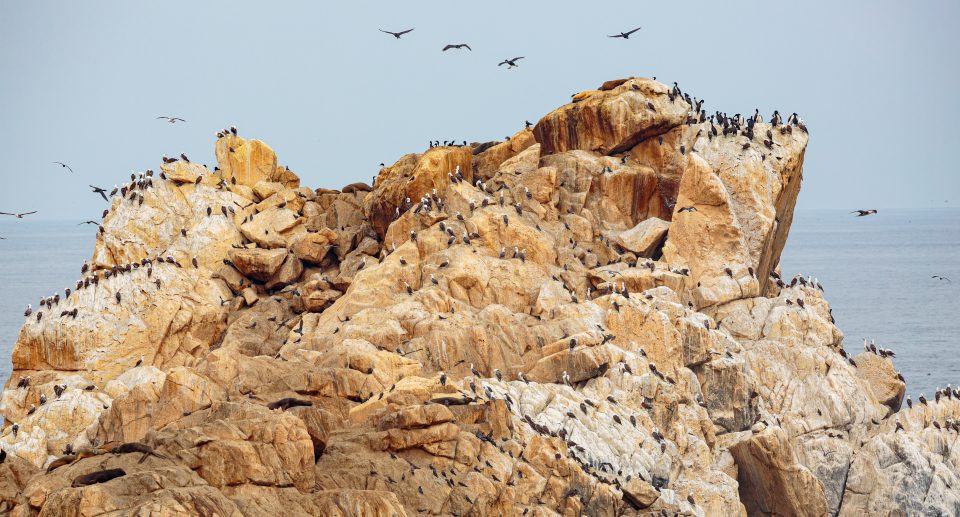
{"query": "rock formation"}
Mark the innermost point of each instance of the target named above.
(586, 319)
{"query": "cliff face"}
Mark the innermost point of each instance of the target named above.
(536, 326)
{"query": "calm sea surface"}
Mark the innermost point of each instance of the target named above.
(876, 271)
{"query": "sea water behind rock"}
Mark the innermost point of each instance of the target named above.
(876, 271)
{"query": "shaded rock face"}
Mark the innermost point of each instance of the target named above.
(580, 320)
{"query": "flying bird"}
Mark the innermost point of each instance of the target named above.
(396, 34)
(861, 213)
(511, 63)
(65, 166)
(172, 120)
(89, 222)
(625, 35)
(18, 216)
(938, 277)
(457, 46)
(102, 192)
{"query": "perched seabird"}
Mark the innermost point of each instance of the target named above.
(443, 378)
(29, 311)
(498, 374)
(625, 35)
(396, 34)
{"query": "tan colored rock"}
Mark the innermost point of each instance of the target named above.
(771, 479)
(288, 272)
(610, 121)
(245, 445)
(745, 197)
(640, 494)
(14, 474)
(184, 172)
(487, 162)
(313, 247)
(258, 263)
(881, 376)
(247, 161)
(644, 238)
(273, 228)
(414, 176)
(528, 349)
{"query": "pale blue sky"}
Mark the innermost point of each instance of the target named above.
(81, 82)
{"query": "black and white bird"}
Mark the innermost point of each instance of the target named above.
(172, 120)
(18, 215)
(861, 213)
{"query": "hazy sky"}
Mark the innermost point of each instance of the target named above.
(82, 82)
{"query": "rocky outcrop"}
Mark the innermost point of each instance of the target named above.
(584, 319)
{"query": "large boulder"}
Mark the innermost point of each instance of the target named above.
(248, 162)
(611, 121)
(412, 177)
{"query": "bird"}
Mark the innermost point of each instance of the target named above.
(625, 35)
(861, 213)
(687, 209)
(102, 192)
(65, 166)
(172, 120)
(443, 379)
(20, 215)
(89, 222)
(938, 277)
(396, 34)
(511, 63)
(457, 46)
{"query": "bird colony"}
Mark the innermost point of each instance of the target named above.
(586, 318)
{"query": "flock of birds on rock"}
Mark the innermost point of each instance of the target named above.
(457, 231)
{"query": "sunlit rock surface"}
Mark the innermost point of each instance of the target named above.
(584, 319)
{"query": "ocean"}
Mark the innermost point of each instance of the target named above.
(876, 272)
